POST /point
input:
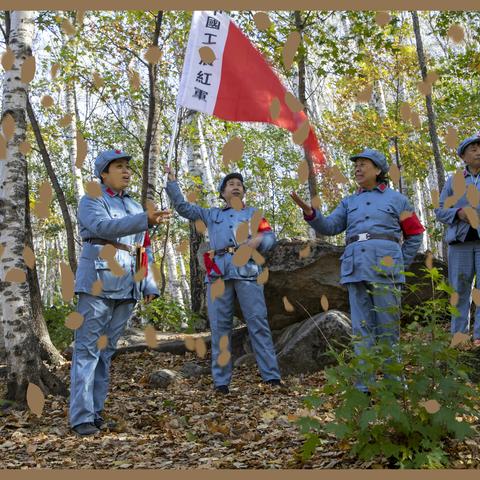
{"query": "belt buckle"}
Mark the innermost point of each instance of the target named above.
(363, 236)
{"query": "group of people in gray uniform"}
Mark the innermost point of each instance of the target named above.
(382, 236)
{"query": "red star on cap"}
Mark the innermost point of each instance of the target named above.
(118, 151)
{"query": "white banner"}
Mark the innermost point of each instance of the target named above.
(200, 81)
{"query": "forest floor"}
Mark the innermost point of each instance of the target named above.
(186, 425)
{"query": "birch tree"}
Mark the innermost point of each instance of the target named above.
(21, 342)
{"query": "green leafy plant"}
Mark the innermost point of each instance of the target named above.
(168, 316)
(420, 394)
(55, 316)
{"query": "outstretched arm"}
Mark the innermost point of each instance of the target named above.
(334, 224)
(185, 209)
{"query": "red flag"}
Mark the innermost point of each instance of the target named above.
(239, 85)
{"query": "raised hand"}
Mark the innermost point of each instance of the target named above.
(307, 209)
(171, 175)
(158, 216)
(155, 215)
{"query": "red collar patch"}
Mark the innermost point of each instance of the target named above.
(112, 193)
(381, 186)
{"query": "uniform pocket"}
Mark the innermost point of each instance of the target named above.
(347, 264)
(216, 228)
(387, 209)
(390, 262)
(117, 214)
(110, 283)
(352, 209)
(353, 214)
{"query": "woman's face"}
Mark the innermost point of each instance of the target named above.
(233, 188)
(471, 155)
(118, 175)
(366, 172)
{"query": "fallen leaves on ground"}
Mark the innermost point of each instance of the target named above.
(184, 426)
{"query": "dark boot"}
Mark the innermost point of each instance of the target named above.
(222, 389)
(275, 382)
(103, 424)
(84, 429)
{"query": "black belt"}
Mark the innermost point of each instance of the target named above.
(225, 250)
(472, 236)
(370, 236)
(121, 246)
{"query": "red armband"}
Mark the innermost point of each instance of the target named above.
(411, 225)
(146, 241)
(310, 217)
(264, 226)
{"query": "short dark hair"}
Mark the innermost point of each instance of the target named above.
(105, 170)
(382, 177)
(229, 177)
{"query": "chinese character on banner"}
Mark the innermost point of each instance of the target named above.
(200, 94)
(209, 42)
(213, 23)
(203, 77)
(201, 62)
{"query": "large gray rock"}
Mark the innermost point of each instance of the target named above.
(162, 378)
(303, 347)
(304, 280)
(306, 347)
(194, 370)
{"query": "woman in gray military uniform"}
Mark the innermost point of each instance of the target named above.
(462, 237)
(375, 219)
(111, 220)
(239, 281)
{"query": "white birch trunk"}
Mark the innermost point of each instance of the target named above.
(72, 147)
(422, 211)
(198, 160)
(183, 279)
(154, 153)
(205, 165)
(380, 105)
(21, 343)
(72, 153)
(174, 286)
